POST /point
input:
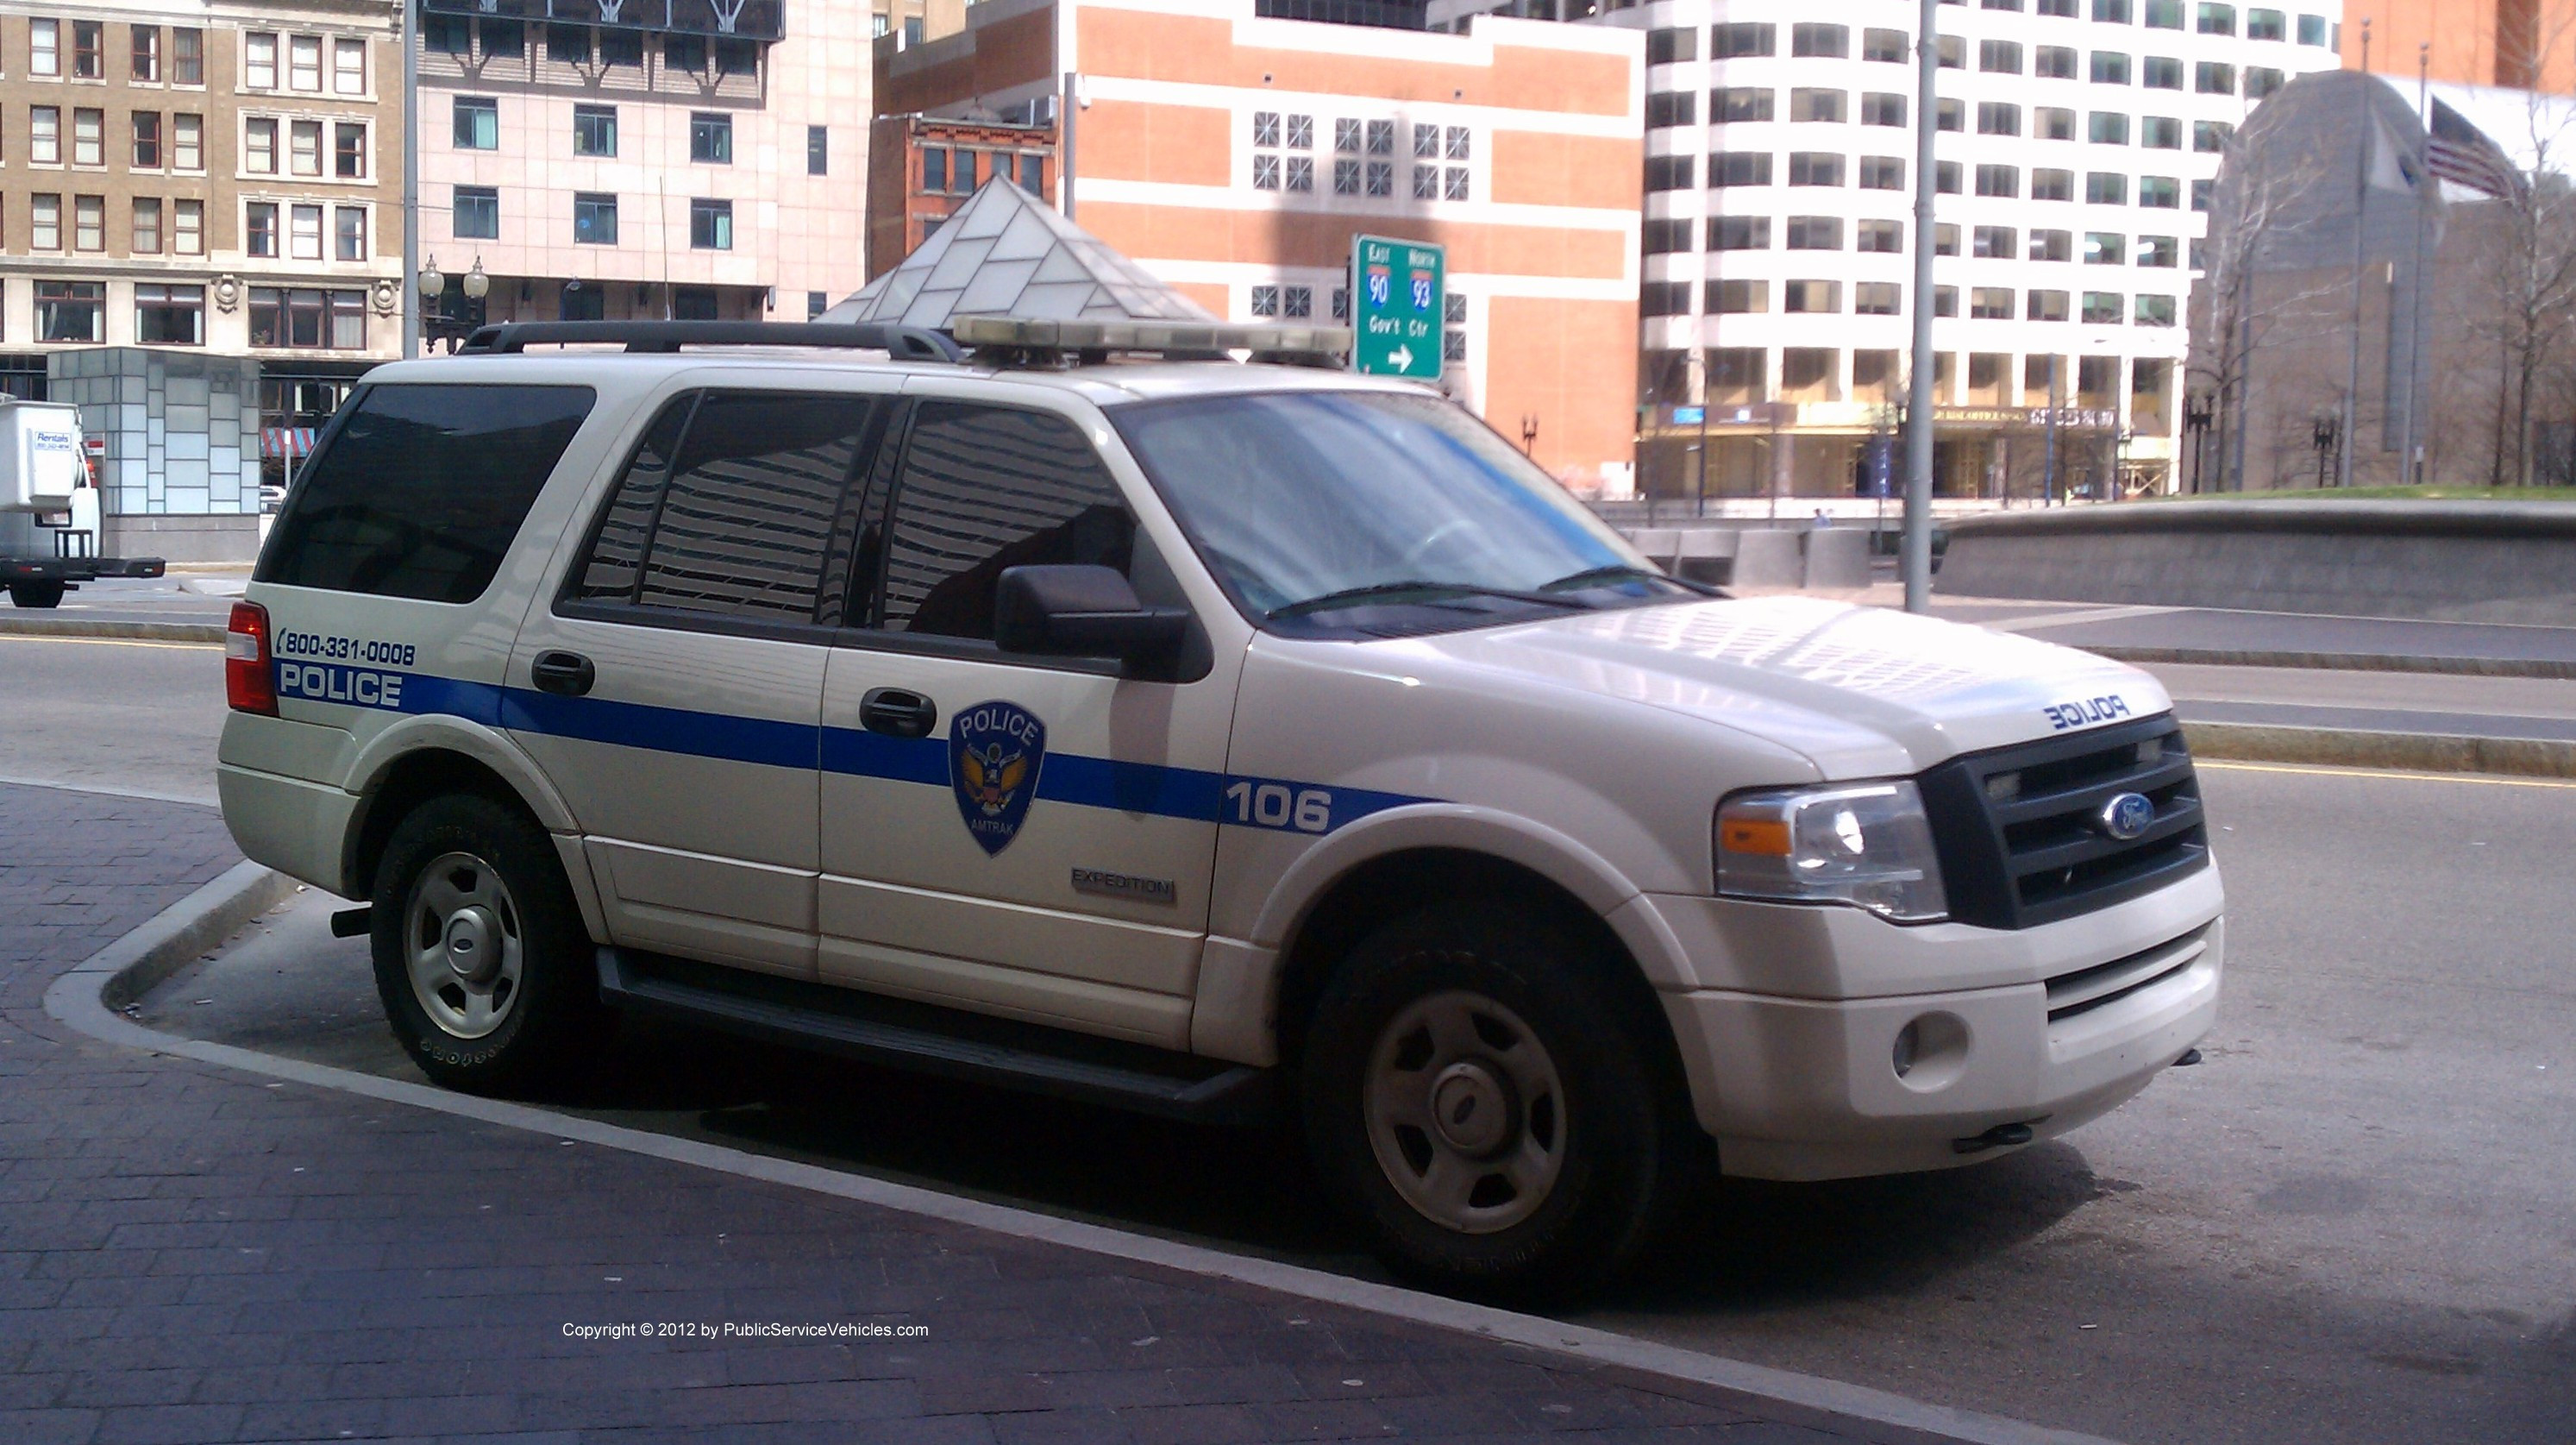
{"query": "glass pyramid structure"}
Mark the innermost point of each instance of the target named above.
(1008, 253)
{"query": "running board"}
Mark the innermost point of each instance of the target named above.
(1035, 1059)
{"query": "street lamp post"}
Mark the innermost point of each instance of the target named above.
(2326, 431)
(2198, 414)
(1917, 555)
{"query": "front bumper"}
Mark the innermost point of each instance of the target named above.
(1807, 1087)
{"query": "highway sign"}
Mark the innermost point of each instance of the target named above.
(1398, 296)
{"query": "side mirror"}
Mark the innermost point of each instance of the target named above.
(1081, 611)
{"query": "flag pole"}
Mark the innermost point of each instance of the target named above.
(2415, 284)
(2360, 209)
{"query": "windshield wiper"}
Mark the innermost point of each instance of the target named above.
(1622, 572)
(1356, 596)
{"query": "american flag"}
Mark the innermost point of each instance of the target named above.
(2460, 153)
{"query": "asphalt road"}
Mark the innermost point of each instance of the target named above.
(2352, 1223)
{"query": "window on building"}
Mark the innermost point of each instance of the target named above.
(2106, 188)
(187, 142)
(1888, 47)
(71, 311)
(349, 150)
(1381, 178)
(439, 35)
(304, 147)
(1810, 373)
(1666, 46)
(504, 40)
(1381, 137)
(1740, 102)
(2154, 310)
(188, 228)
(89, 50)
(1996, 117)
(711, 138)
(1664, 298)
(2217, 19)
(686, 54)
(1876, 298)
(622, 47)
(1426, 142)
(1994, 180)
(1949, 113)
(476, 213)
(2312, 30)
(2211, 136)
(568, 44)
(259, 145)
(1453, 183)
(1738, 298)
(89, 223)
(1816, 38)
(1945, 178)
(259, 61)
(44, 47)
(737, 57)
(2049, 184)
(315, 319)
(710, 224)
(304, 233)
(2265, 25)
(1739, 233)
(477, 123)
(2163, 72)
(1301, 171)
(1999, 57)
(2164, 14)
(1990, 303)
(259, 229)
(2262, 80)
(2160, 132)
(1887, 237)
(1737, 41)
(2102, 308)
(1815, 233)
(2048, 245)
(2163, 252)
(1738, 374)
(145, 237)
(818, 150)
(1811, 104)
(1882, 173)
(1668, 108)
(594, 219)
(2112, 12)
(45, 222)
(1882, 108)
(304, 62)
(1657, 237)
(2160, 192)
(169, 315)
(1950, 52)
(2052, 122)
(349, 233)
(1266, 175)
(1815, 168)
(1033, 174)
(89, 137)
(144, 52)
(2108, 128)
(1994, 243)
(1346, 177)
(2053, 62)
(2105, 248)
(45, 135)
(349, 66)
(594, 130)
(934, 170)
(1819, 298)
(2213, 77)
(2110, 68)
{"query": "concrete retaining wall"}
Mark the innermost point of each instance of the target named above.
(2445, 561)
(202, 537)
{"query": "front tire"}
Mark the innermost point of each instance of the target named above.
(36, 594)
(485, 970)
(1486, 1102)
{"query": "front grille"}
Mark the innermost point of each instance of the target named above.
(2017, 832)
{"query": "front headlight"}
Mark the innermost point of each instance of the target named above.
(1867, 844)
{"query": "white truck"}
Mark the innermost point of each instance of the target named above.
(49, 509)
(1193, 737)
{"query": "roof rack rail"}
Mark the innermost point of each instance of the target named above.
(904, 343)
(1026, 341)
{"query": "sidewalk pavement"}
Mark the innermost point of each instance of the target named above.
(191, 1252)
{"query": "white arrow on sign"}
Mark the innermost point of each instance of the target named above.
(1402, 356)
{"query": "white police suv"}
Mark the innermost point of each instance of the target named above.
(1193, 737)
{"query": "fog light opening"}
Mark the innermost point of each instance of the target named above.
(1930, 1052)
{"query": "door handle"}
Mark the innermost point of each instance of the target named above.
(566, 674)
(897, 713)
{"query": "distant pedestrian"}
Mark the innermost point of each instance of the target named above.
(1823, 519)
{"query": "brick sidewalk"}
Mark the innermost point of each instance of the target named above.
(192, 1254)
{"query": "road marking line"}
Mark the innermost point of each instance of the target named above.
(110, 641)
(75, 999)
(2071, 619)
(201, 800)
(2322, 771)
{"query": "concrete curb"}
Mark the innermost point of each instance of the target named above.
(87, 999)
(2336, 661)
(87, 627)
(2405, 752)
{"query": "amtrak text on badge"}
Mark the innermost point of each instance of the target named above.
(994, 752)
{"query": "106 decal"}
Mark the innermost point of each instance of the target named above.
(1260, 803)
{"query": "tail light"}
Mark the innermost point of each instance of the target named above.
(250, 682)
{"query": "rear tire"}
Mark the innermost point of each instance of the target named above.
(36, 594)
(486, 972)
(1487, 1103)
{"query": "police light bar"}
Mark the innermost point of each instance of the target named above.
(1155, 336)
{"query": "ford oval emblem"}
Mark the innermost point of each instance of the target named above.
(2127, 816)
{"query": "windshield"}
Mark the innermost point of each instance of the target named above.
(1377, 512)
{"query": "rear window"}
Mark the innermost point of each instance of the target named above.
(422, 488)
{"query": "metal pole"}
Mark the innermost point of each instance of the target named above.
(1699, 484)
(2366, 138)
(2415, 284)
(1917, 554)
(409, 29)
(2048, 473)
(1065, 106)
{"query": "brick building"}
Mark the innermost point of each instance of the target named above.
(922, 168)
(1235, 155)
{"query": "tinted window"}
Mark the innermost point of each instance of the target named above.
(735, 516)
(984, 489)
(422, 488)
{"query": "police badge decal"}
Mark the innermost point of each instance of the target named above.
(994, 752)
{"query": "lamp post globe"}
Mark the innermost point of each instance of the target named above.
(431, 282)
(477, 285)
